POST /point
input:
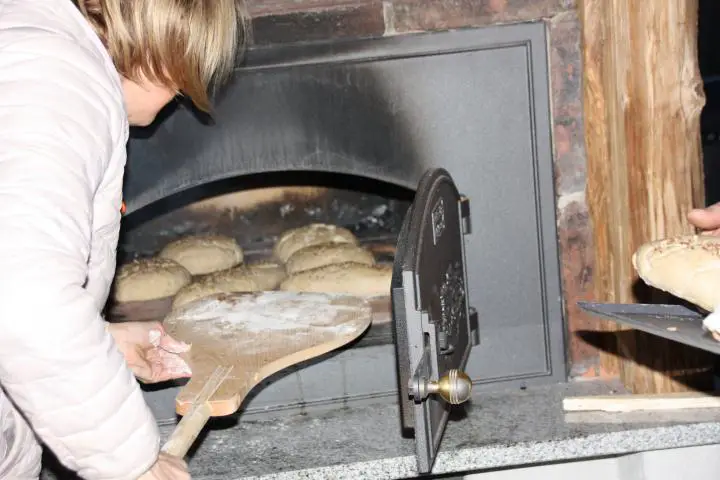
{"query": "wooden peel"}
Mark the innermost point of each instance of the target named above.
(239, 339)
(158, 309)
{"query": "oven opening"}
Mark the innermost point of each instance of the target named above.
(256, 210)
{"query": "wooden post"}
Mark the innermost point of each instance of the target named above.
(643, 98)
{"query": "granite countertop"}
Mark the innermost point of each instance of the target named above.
(499, 430)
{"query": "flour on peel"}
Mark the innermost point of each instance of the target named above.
(272, 311)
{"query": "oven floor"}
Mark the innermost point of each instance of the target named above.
(502, 429)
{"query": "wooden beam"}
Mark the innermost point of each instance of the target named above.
(643, 98)
(596, 66)
(641, 403)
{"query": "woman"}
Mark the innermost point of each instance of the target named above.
(71, 79)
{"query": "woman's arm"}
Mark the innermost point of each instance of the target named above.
(58, 363)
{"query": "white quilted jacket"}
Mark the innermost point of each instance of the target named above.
(63, 129)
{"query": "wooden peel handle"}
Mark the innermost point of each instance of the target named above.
(187, 431)
(193, 422)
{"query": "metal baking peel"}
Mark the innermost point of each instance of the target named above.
(673, 322)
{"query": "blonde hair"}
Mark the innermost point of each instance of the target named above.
(190, 46)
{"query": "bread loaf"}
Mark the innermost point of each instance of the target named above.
(687, 267)
(328, 254)
(149, 279)
(348, 278)
(314, 234)
(203, 254)
(267, 274)
(226, 281)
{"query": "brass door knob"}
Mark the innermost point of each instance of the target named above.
(454, 387)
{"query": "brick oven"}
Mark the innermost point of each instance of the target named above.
(336, 112)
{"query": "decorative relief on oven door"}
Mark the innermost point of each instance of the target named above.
(438, 220)
(452, 306)
(434, 325)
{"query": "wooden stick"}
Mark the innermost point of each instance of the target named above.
(192, 424)
(634, 403)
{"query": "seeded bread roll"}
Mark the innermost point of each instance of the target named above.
(149, 279)
(203, 254)
(226, 281)
(267, 274)
(328, 254)
(348, 278)
(687, 267)
(314, 234)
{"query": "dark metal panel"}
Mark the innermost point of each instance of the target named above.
(430, 307)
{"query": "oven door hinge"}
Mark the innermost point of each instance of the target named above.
(464, 205)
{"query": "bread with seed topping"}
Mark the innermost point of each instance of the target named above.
(256, 277)
(203, 254)
(149, 279)
(328, 254)
(348, 278)
(226, 281)
(314, 234)
(687, 267)
(267, 274)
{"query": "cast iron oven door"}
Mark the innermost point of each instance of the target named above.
(433, 324)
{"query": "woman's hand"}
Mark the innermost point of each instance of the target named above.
(167, 468)
(151, 354)
(707, 219)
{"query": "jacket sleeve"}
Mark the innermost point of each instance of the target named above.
(58, 364)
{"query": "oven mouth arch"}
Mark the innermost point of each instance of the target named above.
(324, 179)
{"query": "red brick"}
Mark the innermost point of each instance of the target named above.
(318, 23)
(424, 15)
(576, 254)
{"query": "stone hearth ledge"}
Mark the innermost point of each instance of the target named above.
(505, 429)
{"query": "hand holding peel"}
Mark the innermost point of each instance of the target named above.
(152, 354)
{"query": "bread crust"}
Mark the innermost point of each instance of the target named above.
(149, 279)
(328, 254)
(203, 254)
(687, 267)
(348, 278)
(314, 234)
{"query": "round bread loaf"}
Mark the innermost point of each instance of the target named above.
(149, 279)
(203, 254)
(328, 254)
(348, 278)
(226, 281)
(267, 274)
(314, 234)
(685, 266)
